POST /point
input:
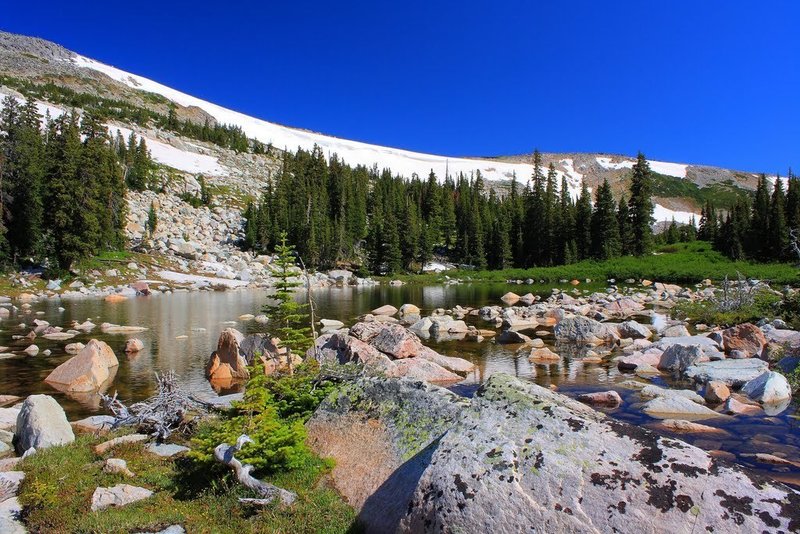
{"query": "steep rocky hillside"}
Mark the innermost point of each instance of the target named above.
(30, 64)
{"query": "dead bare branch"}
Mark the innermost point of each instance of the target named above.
(161, 414)
(224, 453)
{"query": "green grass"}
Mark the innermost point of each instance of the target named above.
(59, 483)
(682, 263)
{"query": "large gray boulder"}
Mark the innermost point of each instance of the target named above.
(374, 428)
(41, 423)
(584, 330)
(523, 458)
(411, 457)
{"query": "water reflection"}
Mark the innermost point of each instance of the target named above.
(183, 329)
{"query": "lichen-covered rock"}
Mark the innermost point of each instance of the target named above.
(374, 429)
(523, 458)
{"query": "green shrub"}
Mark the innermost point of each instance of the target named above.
(789, 310)
(765, 304)
(272, 412)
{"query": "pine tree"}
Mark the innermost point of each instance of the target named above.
(672, 234)
(24, 173)
(793, 203)
(583, 224)
(625, 228)
(759, 241)
(604, 227)
(566, 234)
(778, 236)
(288, 319)
(251, 227)
(152, 219)
(641, 207)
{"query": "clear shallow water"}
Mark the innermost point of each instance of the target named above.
(201, 316)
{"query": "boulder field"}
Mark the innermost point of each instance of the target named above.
(518, 457)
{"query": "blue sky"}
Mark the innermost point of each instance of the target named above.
(713, 82)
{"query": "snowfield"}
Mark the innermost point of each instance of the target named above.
(677, 170)
(403, 162)
(183, 160)
(662, 214)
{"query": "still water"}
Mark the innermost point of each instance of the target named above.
(182, 330)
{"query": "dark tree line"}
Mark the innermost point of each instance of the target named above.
(758, 229)
(337, 213)
(62, 186)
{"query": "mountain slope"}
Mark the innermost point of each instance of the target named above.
(680, 190)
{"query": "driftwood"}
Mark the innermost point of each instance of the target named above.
(161, 414)
(223, 453)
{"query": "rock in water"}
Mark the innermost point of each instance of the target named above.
(680, 357)
(524, 458)
(226, 364)
(386, 309)
(584, 330)
(634, 330)
(42, 423)
(87, 371)
(133, 345)
(746, 337)
(769, 388)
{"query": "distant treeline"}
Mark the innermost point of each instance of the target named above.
(763, 229)
(336, 213)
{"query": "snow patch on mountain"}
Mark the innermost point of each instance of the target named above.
(677, 170)
(176, 158)
(662, 214)
(403, 162)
